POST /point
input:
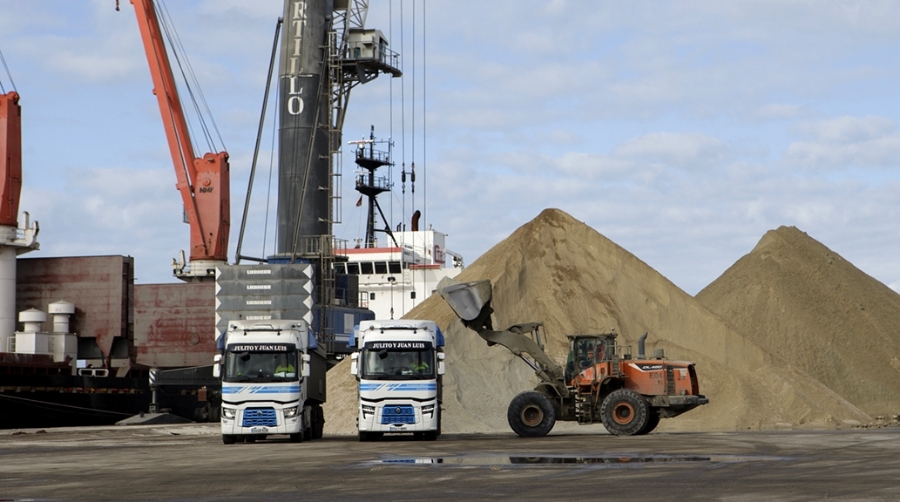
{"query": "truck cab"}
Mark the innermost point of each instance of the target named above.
(273, 381)
(398, 364)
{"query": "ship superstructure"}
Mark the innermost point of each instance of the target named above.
(395, 269)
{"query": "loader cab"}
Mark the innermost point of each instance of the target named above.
(586, 351)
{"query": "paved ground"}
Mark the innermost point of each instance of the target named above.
(189, 462)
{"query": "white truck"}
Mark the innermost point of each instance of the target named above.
(398, 365)
(273, 381)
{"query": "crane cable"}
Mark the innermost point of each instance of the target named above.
(277, 109)
(8, 74)
(188, 75)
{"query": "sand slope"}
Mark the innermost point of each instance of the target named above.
(803, 301)
(559, 271)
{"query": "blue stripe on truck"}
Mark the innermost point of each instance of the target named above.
(397, 387)
(259, 389)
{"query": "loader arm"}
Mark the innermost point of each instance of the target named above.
(472, 304)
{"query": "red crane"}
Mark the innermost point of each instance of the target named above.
(202, 182)
(10, 158)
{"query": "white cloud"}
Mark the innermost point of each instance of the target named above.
(780, 111)
(682, 150)
(848, 129)
(111, 211)
(846, 142)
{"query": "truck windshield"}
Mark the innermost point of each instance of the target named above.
(386, 364)
(260, 367)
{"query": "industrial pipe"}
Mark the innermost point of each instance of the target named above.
(641, 345)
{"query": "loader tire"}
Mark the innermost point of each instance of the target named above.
(652, 421)
(624, 412)
(531, 414)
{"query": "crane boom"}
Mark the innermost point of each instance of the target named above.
(10, 158)
(202, 182)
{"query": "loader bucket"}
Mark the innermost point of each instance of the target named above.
(466, 299)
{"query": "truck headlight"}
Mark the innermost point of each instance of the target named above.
(228, 413)
(291, 412)
(429, 409)
(367, 410)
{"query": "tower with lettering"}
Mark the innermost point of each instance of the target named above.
(303, 182)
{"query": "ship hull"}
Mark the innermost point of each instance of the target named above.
(41, 401)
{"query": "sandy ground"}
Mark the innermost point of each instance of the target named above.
(190, 463)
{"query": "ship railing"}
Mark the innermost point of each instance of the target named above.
(381, 182)
(321, 245)
(370, 154)
(363, 51)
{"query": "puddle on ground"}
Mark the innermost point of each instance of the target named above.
(610, 460)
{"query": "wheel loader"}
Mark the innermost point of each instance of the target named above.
(600, 381)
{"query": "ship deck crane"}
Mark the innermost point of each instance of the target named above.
(202, 181)
(15, 239)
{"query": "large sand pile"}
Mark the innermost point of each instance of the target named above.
(804, 302)
(559, 271)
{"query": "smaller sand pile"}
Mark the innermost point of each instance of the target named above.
(803, 301)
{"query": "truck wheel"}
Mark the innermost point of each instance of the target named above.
(430, 435)
(531, 414)
(228, 439)
(318, 422)
(652, 422)
(369, 436)
(297, 438)
(624, 412)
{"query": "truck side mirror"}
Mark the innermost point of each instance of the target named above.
(441, 366)
(304, 371)
(217, 365)
(354, 363)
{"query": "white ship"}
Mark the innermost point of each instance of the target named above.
(402, 268)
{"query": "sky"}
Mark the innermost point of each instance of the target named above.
(682, 131)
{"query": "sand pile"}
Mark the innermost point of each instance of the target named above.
(559, 271)
(802, 301)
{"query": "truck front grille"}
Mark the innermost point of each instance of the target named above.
(398, 415)
(255, 417)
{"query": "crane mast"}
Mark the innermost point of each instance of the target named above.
(202, 182)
